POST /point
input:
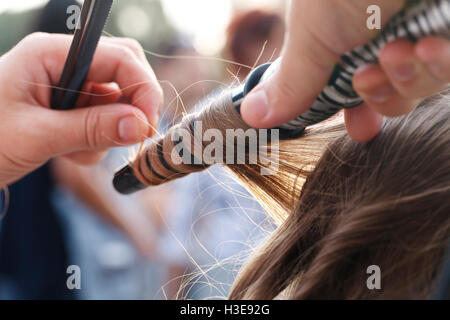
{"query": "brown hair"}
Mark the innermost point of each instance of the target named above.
(383, 203)
(342, 206)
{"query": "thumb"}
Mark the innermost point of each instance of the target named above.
(93, 129)
(290, 90)
(317, 35)
(304, 70)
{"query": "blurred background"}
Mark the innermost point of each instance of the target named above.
(186, 239)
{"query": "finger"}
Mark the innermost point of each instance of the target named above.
(363, 123)
(90, 129)
(303, 72)
(284, 95)
(309, 56)
(434, 53)
(137, 82)
(132, 44)
(406, 72)
(98, 94)
(372, 84)
(86, 158)
(111, 63)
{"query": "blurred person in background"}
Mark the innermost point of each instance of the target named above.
(254, 37)
(64, 214)
(185, 81)
(185, 77)
(203, 262)
(122, 245)
(109, 236)
(44, 252)
(212, 228)
(33, 250)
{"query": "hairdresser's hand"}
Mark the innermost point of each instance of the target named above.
(106, 116)
(319, 32)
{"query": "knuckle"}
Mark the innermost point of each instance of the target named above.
(127, 55)
(409, 91)
(394, 108)
(35, 37)
(32, 40)
(125, 52)
(133, 45)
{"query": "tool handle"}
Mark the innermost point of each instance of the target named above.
(427, 18)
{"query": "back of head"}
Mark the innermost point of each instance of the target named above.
(383, 203)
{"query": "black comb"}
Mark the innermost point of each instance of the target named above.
(94, 15)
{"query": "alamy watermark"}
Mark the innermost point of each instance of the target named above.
(374, 20)
(74, 279)
(252, 146)
(73, 20)
(374, 280)
(238, 146)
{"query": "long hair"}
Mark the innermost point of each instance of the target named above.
(383, 203)
(341, 206)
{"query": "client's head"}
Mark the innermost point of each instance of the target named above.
(384, 203)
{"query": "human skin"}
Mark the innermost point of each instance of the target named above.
(406, 72)
(119, 107)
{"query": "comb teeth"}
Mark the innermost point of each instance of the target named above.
(105, 13)
(108, 16)
(94, 16)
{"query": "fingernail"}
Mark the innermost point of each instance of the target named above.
(129, 129)
(404, 72)
(380, 94)
(259, 104)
